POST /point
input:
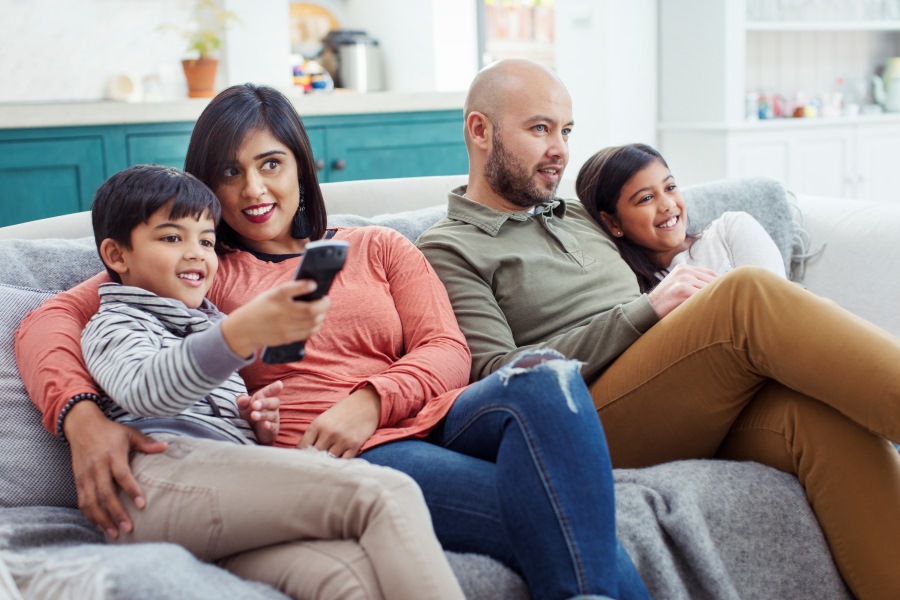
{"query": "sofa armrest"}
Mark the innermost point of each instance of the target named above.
(858, 266)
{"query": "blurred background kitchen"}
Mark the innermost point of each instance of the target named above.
(801, 90)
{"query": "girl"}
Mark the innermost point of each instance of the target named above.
(633, 196)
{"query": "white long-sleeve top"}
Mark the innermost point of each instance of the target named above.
(154, 357)
(733, 240)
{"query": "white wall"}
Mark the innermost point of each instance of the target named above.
(57, 50)
(426, 45)
(606, 53)
(69, 50)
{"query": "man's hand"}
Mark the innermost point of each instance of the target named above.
(261, 411)
(344, 428)
(681, 283)
(100, 450)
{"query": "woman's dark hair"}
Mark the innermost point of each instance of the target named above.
(599, 185)
(130, 197)
(220, 130)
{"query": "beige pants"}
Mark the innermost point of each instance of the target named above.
(755, 368)
(257, 511)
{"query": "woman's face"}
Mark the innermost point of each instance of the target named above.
(650, 212)
(260, 194)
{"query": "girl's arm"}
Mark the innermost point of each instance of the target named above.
(750, 244)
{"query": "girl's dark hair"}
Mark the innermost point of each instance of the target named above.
(599, 185)
(220, 130)
(130, 197)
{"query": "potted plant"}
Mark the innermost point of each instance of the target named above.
(203, 31)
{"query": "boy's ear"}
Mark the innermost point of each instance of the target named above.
(113, 256)
(611, 222)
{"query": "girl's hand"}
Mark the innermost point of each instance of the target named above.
(261, 411)
(347, 425)
(681, 283)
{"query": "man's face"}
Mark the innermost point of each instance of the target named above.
(530, 148)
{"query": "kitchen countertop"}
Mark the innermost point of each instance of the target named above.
(64, 114)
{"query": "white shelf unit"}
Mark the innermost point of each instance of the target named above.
(711, 56)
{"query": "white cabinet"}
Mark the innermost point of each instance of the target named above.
(712, 55)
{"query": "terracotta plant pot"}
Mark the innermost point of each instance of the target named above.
(201, 76)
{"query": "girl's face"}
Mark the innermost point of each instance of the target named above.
(260, 194)
(650, 212)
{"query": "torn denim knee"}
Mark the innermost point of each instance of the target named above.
(545, 360)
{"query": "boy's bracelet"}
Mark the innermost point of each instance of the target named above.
(72, 402)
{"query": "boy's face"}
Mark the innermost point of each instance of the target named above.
(173, 258)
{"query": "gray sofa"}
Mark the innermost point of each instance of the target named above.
(696, 529)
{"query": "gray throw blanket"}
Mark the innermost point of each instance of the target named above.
(696, 529)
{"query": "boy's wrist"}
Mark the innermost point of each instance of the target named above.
(236, 335)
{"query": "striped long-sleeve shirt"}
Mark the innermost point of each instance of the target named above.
(155, 358)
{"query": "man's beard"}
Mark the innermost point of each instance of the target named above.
(514, 182)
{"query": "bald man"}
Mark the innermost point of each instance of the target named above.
(734, 373)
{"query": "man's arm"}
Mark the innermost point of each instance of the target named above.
(596, 342)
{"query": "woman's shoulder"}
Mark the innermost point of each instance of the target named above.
(375, 238)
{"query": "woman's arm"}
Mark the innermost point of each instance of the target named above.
(436, 358)
(48, 351)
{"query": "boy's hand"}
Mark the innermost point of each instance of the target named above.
(261, 411)
(274, 318)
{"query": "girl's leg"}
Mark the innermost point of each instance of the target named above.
(534, 419)
(218, 499)
(684, 382)
(851, 476)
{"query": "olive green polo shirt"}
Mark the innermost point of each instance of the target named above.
(521, 281)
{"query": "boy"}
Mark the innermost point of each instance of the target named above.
(166, 358)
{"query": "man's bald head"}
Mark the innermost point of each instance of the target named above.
(500, 83)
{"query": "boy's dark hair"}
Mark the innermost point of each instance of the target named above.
(131, 196)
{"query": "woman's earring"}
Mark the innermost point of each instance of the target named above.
(300, 229)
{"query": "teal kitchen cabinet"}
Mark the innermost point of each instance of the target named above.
(395, 145)
(160, 144)
(44, 177)
(46, 172)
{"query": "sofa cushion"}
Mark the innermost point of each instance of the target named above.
(35, 467)
(411, 223)
(49, 264)
(764, 199)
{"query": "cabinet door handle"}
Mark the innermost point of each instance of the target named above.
(339, 164)
(320, 164)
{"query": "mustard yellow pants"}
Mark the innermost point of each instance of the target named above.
(755, 368)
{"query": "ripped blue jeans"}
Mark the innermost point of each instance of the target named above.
(519, 470)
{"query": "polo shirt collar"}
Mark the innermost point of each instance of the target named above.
(490, 220)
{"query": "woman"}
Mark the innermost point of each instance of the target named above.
(383, 372)
(632, 195)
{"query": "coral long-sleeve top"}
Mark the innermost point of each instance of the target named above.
(390, 325)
